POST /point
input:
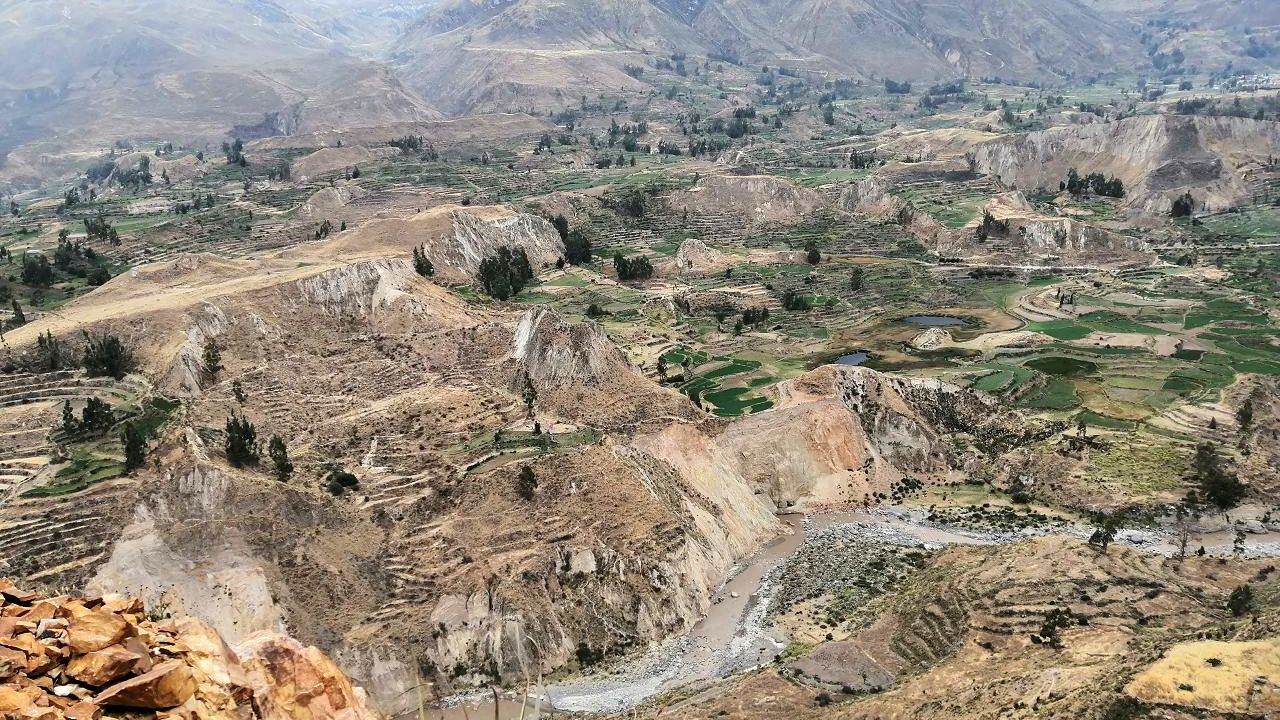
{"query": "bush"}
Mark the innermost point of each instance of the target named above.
(526, 483)
(1241, 602)
(338, 481)
(107, 356)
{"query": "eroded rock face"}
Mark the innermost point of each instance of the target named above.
(694, 256)
(556, 353)
(906, 420)
(1157, 157)
(758, 198)
(86, 658)
(478, 233)
(361, 288)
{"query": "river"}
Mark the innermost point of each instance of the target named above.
(735, 635)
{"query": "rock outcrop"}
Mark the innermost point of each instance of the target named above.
(1023, 235)
(553, 352)
(757, 198)
(694, 256)
(89, 658)
(1158, 157)
(456, 238)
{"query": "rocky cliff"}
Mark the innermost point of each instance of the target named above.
(1158, 157)
(556, 353)
(457, 238)
(1025, 236)
(757, 198)
(89, 658)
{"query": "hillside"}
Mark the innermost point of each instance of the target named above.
(509, 55)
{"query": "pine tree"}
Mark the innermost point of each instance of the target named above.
(279, 455)
(212, 358)
(106, 355)
(135, 447)
(242, 442)
(68, 424)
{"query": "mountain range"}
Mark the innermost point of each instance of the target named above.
(82, 75)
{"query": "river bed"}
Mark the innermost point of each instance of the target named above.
(735, 635)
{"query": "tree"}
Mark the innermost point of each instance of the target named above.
(212, 358)
(422, 264)
(135, 447)
(526, 483)
(52, 353)
(1241, 601)
(36, 270)
(96, 416)
(1182, 530)
(796, 301)
(106, 355)
(279, 455)
(1183, 206)
(1244, 416)
(857, 277)
(577, 248)
(1220, 487)
(561, 224)
(636, 268)
(530, 396)
(242, 442)
(19, 317)
(812, 255)
(505, 274)
(1105, 533)
(829, 115)
(68, 424)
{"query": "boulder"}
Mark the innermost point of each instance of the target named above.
(167, 685)
(95, 630)
(100, 667)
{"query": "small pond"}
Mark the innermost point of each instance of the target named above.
(856, 358)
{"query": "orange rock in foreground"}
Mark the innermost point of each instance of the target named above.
(66, 658)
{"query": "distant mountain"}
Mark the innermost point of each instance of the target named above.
(92, 71)
(923, 40)
(506, 54)
(1209, 36)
